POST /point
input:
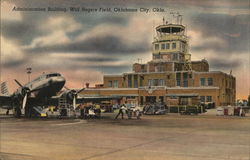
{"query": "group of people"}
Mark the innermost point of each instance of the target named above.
(129, 111)
(93, 110)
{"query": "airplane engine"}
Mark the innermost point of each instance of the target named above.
(25, 91)
(71, 95)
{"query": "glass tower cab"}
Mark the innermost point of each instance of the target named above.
(171, 44)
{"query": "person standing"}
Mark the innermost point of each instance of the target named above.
(122, 110)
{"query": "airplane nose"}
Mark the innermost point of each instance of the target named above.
(58, 82)
(60, 79)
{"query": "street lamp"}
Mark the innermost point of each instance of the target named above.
(28, 72)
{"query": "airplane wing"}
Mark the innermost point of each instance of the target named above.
(5, 100)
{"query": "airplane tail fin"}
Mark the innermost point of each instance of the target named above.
(4, 89)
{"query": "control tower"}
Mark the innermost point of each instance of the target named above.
(171, 44)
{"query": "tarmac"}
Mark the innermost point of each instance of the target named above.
(153, 137)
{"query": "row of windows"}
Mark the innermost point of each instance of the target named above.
(161, 82)
(156, 82)
(206, 98)
(184, 83)
(165, 46)
(203, 81)
(173, 56)
(113, 84)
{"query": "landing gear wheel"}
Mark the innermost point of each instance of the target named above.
(17, 112)
(28, 112)
(7, 112)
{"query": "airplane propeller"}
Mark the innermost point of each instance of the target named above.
(24, 101)
(25, 92)
(73, 95)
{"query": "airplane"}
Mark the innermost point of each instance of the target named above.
(42, 91)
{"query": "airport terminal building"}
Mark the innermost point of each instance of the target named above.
(171, 77)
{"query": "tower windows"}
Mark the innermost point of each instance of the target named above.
(174, 45)
(156, 82)
(202, 81)
(157, 56)
(115, 84)
(209, 98)
(174, 56)
(129, 81)
(156, 46)
(150, 82)
(163, 46)
(185, 79)
(110, 84)
(135, 81)
(161, 82)
(210, 81)
(178, 79)
(167, 46)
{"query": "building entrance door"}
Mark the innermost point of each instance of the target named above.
(150, 99)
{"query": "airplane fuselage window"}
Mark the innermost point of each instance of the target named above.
(53, 75)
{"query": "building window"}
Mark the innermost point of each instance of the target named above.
(141, 79)
(210, 81)
(185, 83)
(160, 69)
(202, 98)
(185, 75)
(167, 46)
(185, 79)
(174, 56)
(156, 46)
(150, 82)
(155, 82)
(135, 81)
(143, 68)
(115, 83)
(202, 81)
(161, 82)
(209, 98)
(110, 84)
(163, 46)
(190, 75)
(178, 82)
(157, 56)
(173, 45)
(129, 81)
(178, 79)
(161, 98)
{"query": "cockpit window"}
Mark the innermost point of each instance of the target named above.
(53, 75)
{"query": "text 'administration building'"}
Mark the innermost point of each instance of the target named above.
(170, 77)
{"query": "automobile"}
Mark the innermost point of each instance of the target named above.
(154, 109)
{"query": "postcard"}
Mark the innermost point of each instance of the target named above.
(123, 79)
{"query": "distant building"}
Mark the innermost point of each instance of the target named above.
(170, 77)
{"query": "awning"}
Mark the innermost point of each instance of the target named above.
(182, 95)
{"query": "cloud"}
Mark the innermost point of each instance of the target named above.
(57, 28)
(95, 59)
(220, 63)
(105, 44)
(11, 53)
(102, 39)
(232, 29)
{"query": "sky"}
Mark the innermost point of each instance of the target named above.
(84, 46)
